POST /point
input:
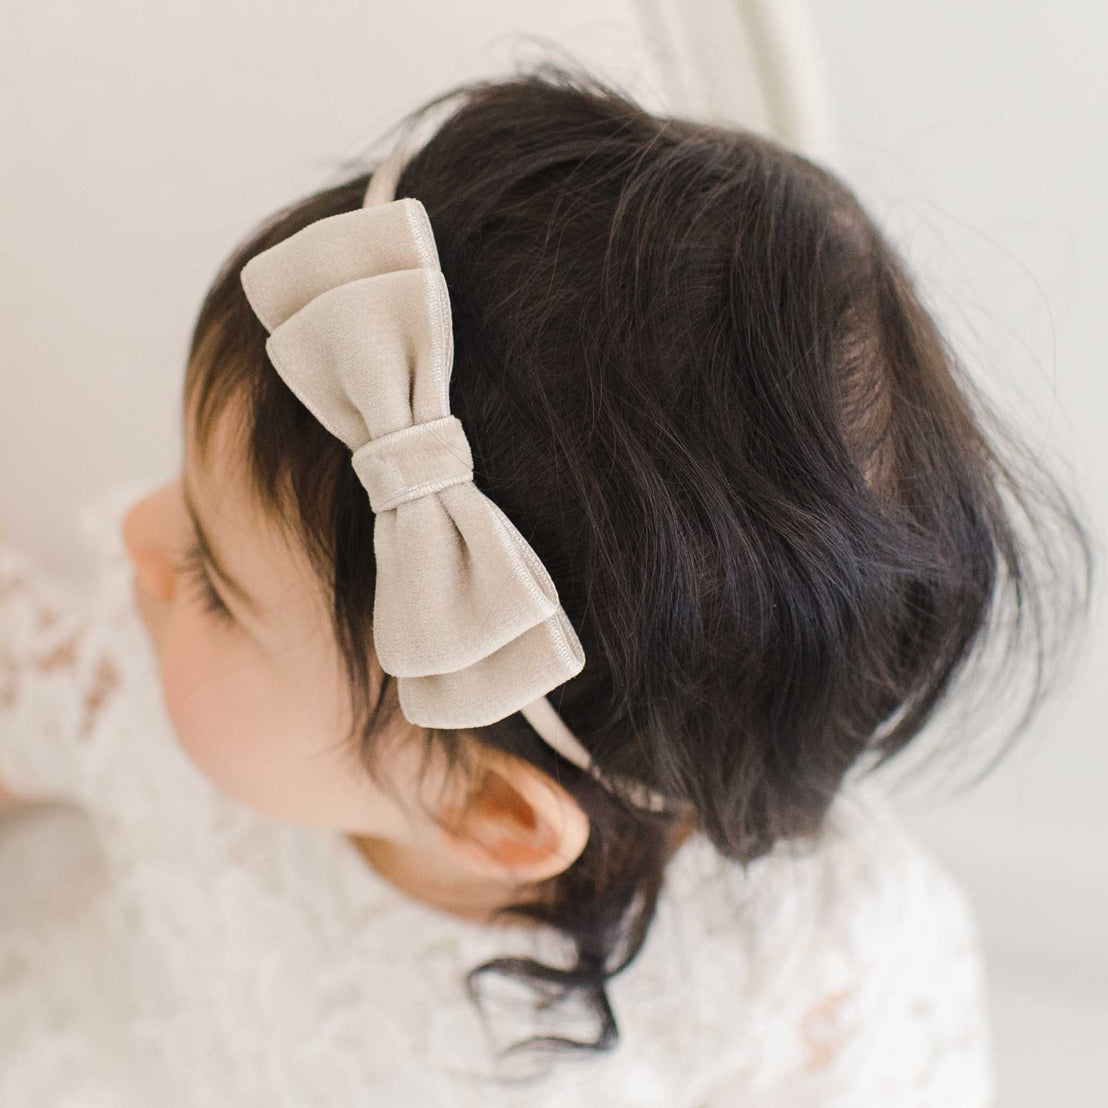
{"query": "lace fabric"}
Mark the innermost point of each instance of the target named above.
(215, 956)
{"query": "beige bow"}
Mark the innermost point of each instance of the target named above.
(465, 615)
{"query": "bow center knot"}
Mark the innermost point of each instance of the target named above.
(413, 462)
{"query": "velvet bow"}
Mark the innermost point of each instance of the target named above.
(465, 615)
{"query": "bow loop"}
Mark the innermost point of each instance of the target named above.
(447, 603)
(372, 356)
(329, 252)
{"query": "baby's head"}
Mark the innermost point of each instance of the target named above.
(701, 384)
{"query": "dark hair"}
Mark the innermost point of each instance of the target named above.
(702, 384)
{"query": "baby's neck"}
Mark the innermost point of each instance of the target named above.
(426, 877)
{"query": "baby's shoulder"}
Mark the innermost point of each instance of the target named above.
(866, 880)
(799, 960)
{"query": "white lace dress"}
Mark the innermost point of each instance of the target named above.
(212, 956)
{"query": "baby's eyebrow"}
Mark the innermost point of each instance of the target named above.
(212, 559)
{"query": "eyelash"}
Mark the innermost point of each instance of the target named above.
(195, 571)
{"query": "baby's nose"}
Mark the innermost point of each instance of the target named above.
(146, 547)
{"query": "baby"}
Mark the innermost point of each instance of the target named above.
(700, 383)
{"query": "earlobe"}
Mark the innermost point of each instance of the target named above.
(519, 825)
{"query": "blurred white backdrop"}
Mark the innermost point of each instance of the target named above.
(142, 140)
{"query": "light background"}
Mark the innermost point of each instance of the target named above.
(141, 140)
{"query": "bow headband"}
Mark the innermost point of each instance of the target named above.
(465, 615)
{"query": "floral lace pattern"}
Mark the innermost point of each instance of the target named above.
(214, 956)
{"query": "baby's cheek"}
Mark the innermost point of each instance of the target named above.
(208, 698)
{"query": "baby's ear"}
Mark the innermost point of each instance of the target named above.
(519, 824)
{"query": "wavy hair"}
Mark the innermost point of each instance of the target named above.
(702, 384)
